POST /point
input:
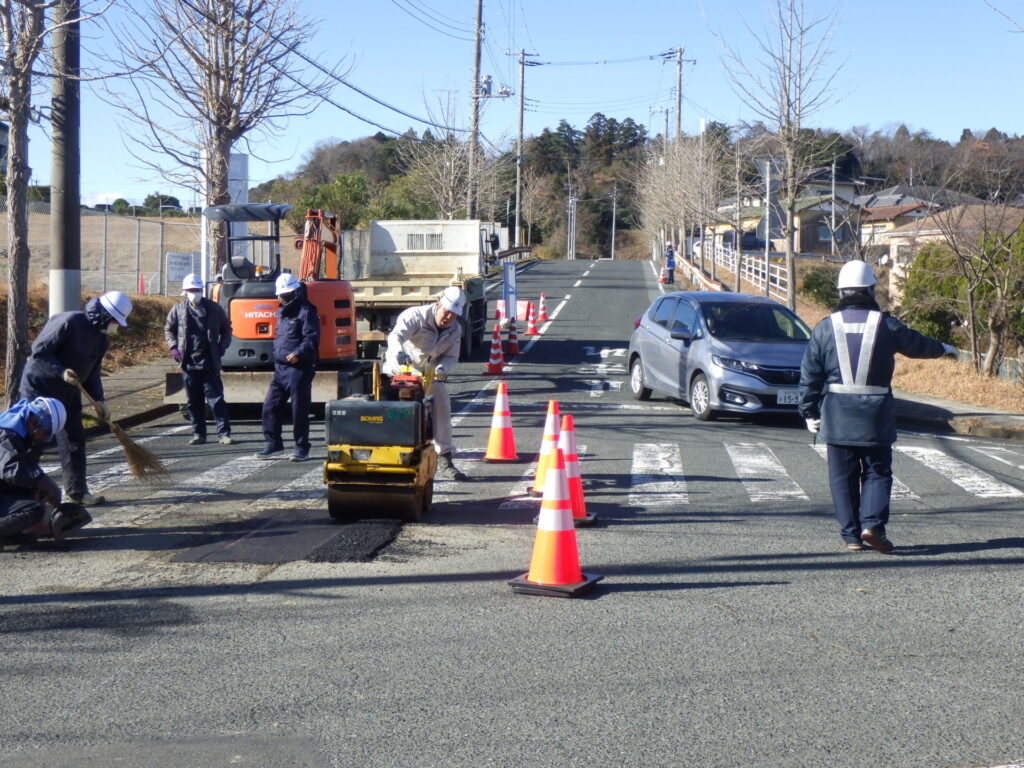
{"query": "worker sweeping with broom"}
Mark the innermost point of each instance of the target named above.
(75, 342)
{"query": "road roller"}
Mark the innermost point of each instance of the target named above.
(380, 455)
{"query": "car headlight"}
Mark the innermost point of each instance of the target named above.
(736, 365)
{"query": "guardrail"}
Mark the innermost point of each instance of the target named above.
(753, 270)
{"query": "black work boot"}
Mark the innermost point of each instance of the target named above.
(446, 469)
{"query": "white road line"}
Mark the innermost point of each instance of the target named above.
(657, 478)
(577, 284)
(49, 468)
(184, 494)
(1005, 455)
(971, 479)
(900, 490)
(762, 473)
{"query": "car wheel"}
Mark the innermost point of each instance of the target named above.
(636, 380)
(700, 398)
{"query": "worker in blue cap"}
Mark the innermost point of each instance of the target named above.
(30, 502)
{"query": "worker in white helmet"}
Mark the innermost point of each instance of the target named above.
(296, 344)
(30, 502)
(431, 336)
(75, 341)
(846, 397)
(198, 332)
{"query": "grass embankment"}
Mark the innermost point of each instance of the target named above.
(140, 341)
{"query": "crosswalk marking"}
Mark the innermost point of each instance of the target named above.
(657, 477)
(761, 473)
(1004, 455)
(971, 479)
(187, 491)
(900, 490)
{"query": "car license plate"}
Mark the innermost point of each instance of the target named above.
(789, 397)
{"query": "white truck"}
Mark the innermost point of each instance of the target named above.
(404, 263)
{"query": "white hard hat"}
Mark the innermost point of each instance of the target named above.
(55, 411)
(453, 299)
(192, 282)
(669, 243)
(855, 274)
(286, 283)
(118, 305)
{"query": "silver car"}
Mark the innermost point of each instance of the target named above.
(720, 352)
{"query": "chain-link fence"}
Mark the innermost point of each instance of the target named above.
(121, 253)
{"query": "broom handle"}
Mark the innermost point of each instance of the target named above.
(96, 406)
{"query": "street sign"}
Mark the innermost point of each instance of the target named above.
(508, 288)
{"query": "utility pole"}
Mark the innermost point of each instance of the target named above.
(474, 126)
(519, 144)
(65, 218)
(679, 93)
(615, 195)
(832, 228)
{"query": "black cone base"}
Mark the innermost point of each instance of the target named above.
(521, 585)
(587, 520)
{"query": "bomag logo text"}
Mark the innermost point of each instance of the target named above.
(257, 315)
(372, 419)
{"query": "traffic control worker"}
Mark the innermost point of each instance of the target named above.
(76, 341)
(30, 502)
(296, 341)
(198, 332)
(431, 336)
(670, 263)
(846, 394)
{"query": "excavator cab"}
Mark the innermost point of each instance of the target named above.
(245, 289)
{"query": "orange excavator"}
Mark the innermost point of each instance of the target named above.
(244, 287)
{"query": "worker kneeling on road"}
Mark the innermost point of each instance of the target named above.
(845, 392)
(76, 341)
(29, 499)
(296, 340)
(431, 336)
(198, 332)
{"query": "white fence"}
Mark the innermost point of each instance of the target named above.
(120, 253)
(755, 268)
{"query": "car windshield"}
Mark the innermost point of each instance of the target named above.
(753, 322)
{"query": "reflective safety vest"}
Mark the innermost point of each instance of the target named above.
(855, 383)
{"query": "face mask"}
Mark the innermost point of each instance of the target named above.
(194, 296)
(286, 298)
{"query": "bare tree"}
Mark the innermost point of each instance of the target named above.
(25, 26)
(790, 85)
(208, 74)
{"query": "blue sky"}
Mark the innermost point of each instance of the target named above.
(938, 65)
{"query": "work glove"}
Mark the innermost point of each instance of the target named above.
(70, 376)
(176, 355)
(951, 351)
(813, 425)
(221, 349)
(440, 374)
(103, 410)
(404, 359)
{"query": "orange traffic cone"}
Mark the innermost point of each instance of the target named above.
(555, 565)
(512, 347)
(542, 311)
(531, 323)
(567, 445)
(496, 365)
(664, 275)
(501, 446)
(548, 444)
(141, 289)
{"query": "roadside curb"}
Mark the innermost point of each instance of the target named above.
(977, 424)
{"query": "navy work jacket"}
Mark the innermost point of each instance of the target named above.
(856, 405)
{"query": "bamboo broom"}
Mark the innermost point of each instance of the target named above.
(143, 463)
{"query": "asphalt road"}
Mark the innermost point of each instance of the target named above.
(223, 619)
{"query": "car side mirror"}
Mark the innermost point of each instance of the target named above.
(682, 335)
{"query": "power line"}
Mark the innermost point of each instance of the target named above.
(602, 62)
(425, 23)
